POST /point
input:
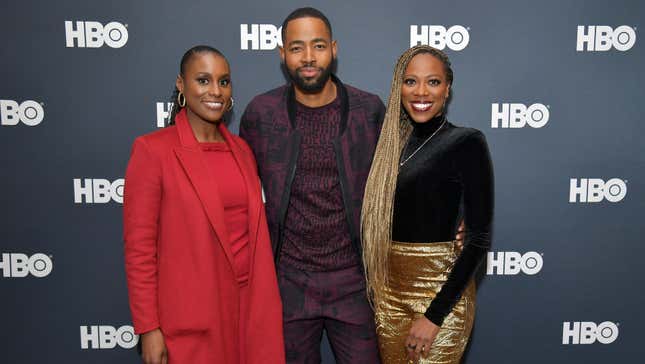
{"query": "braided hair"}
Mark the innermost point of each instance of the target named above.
(175, 108)
(378, 204)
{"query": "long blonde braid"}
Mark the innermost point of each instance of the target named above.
(378, 202)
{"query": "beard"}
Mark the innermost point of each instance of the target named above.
(311, 85)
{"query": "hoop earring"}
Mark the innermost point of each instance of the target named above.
(181, 99)
(230, 107)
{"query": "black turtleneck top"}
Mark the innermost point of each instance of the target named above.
(449, 178)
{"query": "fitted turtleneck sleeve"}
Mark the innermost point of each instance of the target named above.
(450, 171)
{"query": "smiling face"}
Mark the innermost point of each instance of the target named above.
(425, 88)
(308, 53)
(206, 84)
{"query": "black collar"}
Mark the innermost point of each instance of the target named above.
(429, 127)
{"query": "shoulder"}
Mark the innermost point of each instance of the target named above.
(363, 99)
(269, 99)
(241, 143)
(464, 137)
(158, 140)
(262, 108)
(246, 149)
(463, 133)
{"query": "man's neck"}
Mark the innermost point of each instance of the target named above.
(326, 96)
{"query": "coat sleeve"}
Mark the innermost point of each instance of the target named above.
(141, 204)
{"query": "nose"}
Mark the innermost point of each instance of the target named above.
(422, 89)
(215, 89)
(308, 55)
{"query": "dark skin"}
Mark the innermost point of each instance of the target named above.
(424, 92)
(153, 348)
(425, 89)
(307, 48)
(206, 84)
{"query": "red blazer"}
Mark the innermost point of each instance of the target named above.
(178, 261)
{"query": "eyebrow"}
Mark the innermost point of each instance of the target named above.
(426, 76)
(202, 74)
(301, 42)
(296, 42)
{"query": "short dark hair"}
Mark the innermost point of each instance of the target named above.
(196, 50)
(307, 12)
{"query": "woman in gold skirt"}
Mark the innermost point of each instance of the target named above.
(427, 174)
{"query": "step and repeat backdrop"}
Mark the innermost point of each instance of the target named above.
(556, 87)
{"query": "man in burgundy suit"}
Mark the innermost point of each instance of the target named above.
(314, 140)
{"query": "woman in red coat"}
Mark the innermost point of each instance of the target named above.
(201, 278)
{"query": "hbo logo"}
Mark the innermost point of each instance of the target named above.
(108, 337)
(98, 190)
(163, 113)
(596, 190)
(20, 265)
(456, 37)
(512, 263)
(601, 38)
(29, 112)
(92, 34)
(588, 332)
(518, 115)
(261, 36)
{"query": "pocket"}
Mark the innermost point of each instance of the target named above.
(184, 332)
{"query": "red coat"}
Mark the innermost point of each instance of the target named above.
(178, 260)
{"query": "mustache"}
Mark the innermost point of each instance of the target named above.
(308, 65)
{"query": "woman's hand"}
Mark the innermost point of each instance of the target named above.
(153, 348)
(420, 339)
(461, 234)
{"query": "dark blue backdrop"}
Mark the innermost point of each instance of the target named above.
(556, 86)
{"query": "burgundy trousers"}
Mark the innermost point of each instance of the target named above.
(333, 301)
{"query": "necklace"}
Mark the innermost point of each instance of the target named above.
(420, 146)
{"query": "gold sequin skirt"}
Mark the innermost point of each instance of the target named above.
(417, 273)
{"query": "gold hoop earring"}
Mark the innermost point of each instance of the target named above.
(230, 106)
(181, 99)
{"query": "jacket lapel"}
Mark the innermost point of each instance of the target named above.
(203, 181)
(253, 190)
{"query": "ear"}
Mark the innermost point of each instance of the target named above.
(281, 51)
(448, 92)
(334, 48)
(179, 83)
